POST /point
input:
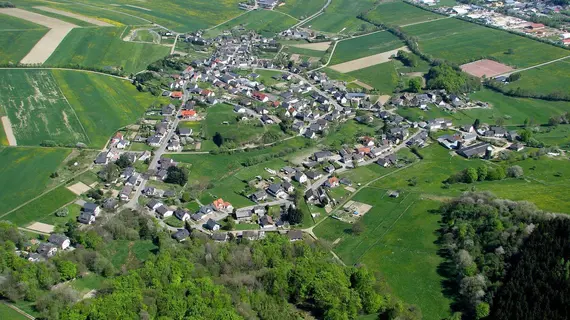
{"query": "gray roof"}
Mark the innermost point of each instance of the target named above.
(84, 217)
(295, 234)
(181, 234)
(274, 188)
(162, 209)
(58, 239)
(90, 207)
(211, 224)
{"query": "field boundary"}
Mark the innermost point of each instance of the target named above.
(75, 16)
(7, 124)
(68, 69)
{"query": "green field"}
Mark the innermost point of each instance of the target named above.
(400, 14)
(340, 16)
(16, 44)
(266, 22)
(547, 79)
(383, 77)
(398, 242)
(146, 36)
(24, 173)
(125, 252)
(305, 52)
(460, 42)
(103, 48)
(301, 9)
(9, 313)
(37, 109)
(12, 23)
(365, 46)
(555, 136)
(74, 21)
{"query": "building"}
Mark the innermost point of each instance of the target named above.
(212, 225)
(476, 150)
(266, 222)
(92, 208)
(181, 235)
(295, 235)
(221, 205)
(47, 250)
(182, 215)
(86, 218)
(164, 211)
(300, 177)
(62, 242)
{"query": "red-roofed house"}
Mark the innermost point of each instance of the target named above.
(368, 141)
(363, 150)
(207, 93)
(188, 114)
(536, 26)
(260, 96)
(222, 205)
(176, 95)
(332, 182)
(118, 137)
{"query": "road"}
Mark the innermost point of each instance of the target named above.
(302, 22)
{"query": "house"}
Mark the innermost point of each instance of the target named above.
(181, 235)
(220, 236)
(313, 175)
(174, 146)
(260, 96)
(477, 150)
(185, 132)
(332, 182)
(188, 114)
(287, 186)
(266, 119)
(168, 110)
(127, 173)
(329, 169)
(244, 215)
(153, 204)
(110, 204)
(86, 218)
(62, 242)
(91, 208)
(276, 190)
(300, 177)
(212, 225)
(47, 249)
(221, 205)
(164, 212)
(367, 141)
(102, 158)
(266, 222)
(259, 196)
(181, 214)
(310, 134)
(125, 194)
(176, 95)
(239, 109)
(322, 156)
(295, 235)
(34, 257)
(516, 146)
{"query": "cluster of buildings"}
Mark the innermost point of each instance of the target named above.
(434, 99)
(35, 250)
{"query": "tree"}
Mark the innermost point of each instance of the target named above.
(415, 84)
(476, 124)
(515, 172)
(111, 172)
(470, 175)
(358, 228)
(67, 269)
(525, 135)
(553, 121)
(295, 215)
(482, 172)
(231, 224)
(176, 175)
(514, 77)
(482, 310)
(123, 161)
(63, 212)
(500, 121)
(218, 139)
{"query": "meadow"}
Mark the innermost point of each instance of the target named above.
(301, 9)
(555, 136)
(305, 52)
(341, 17)
(383, 77)
(365, 46)
(265, 22)
(400, 14)
(544, 80)
(103, 104)
(15, 45)
(12, 23)
(103, 48)
(125, 252)
(24, 173)
(9, 313)
(37, 109)
(460, 42)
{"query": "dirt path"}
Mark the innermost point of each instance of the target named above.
(75, 16)
(49, 42)
(18, 310)
(366, 62)
(9, 132)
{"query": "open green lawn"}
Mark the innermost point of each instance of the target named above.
(301, 9)
(347, 133)
(341, 15)
(306, 52)
(15, 45)
(74, 212)
(87, 283)
(365, 46)
(103, 48)
(555, 136)
(400, 13)
(9, 313)
(37, 109)
(383, 77)
(544, 80)
(145, 35)
(460, 42)
(125, 251)
(103, 104)
(24, 173)
(266, 22)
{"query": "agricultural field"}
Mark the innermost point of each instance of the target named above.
(12, 23)
(544, 80)
(77, 22)
(103, 48)
(301, 9)
(400, 14)
(37, 109)
(365, 46)
(461, 42)
(383, 77)
(555, 136)
(398, 241)
(341, 17)
(305, 52)
(15, 45)
(24, 173)
(266, 22)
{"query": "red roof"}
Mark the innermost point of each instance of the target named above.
(259, 95)
(176, 94)
(333, 180)
(205, 92)
(188, 113)
(364, 150)
(536, 25)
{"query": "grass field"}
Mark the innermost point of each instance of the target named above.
(103, 104)
(306, 52)
(74, 21)
(125, 252)
(341, 16)
(301, 9)
(14, 45)
(365, 46)
(37, 109)
(398, 242)
(103, 48)
(400, 13)
(12, 23)
(544, 80)
(265, 22)
(24, 173)
(557, 136)
(383, 77)
(9, 313)
(460, 42)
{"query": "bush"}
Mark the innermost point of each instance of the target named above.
(515, 172)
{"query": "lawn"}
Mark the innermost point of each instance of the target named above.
(301, 9)
(124, 251)
(103, 48)
(37, 109)
(24, 173)
(103, 104)
(266, 22)
(87, 283)
(400, 13)
(460, 42)
(365, 46)
(16, 44)
(74, 212)
(9, 313)
(383, 77)
(341, 16)
(347, 133)
(305, 52)
(555, 136)
(547, 79)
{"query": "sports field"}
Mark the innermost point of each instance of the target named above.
(14, 45)
(365, 46)
(265, 22)
(37, 109)
(400, 13)
(301, 9)
(104, 48)
(383, 77)
(547, 79)
(24, 173)
(461, 42)
(341, 16)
